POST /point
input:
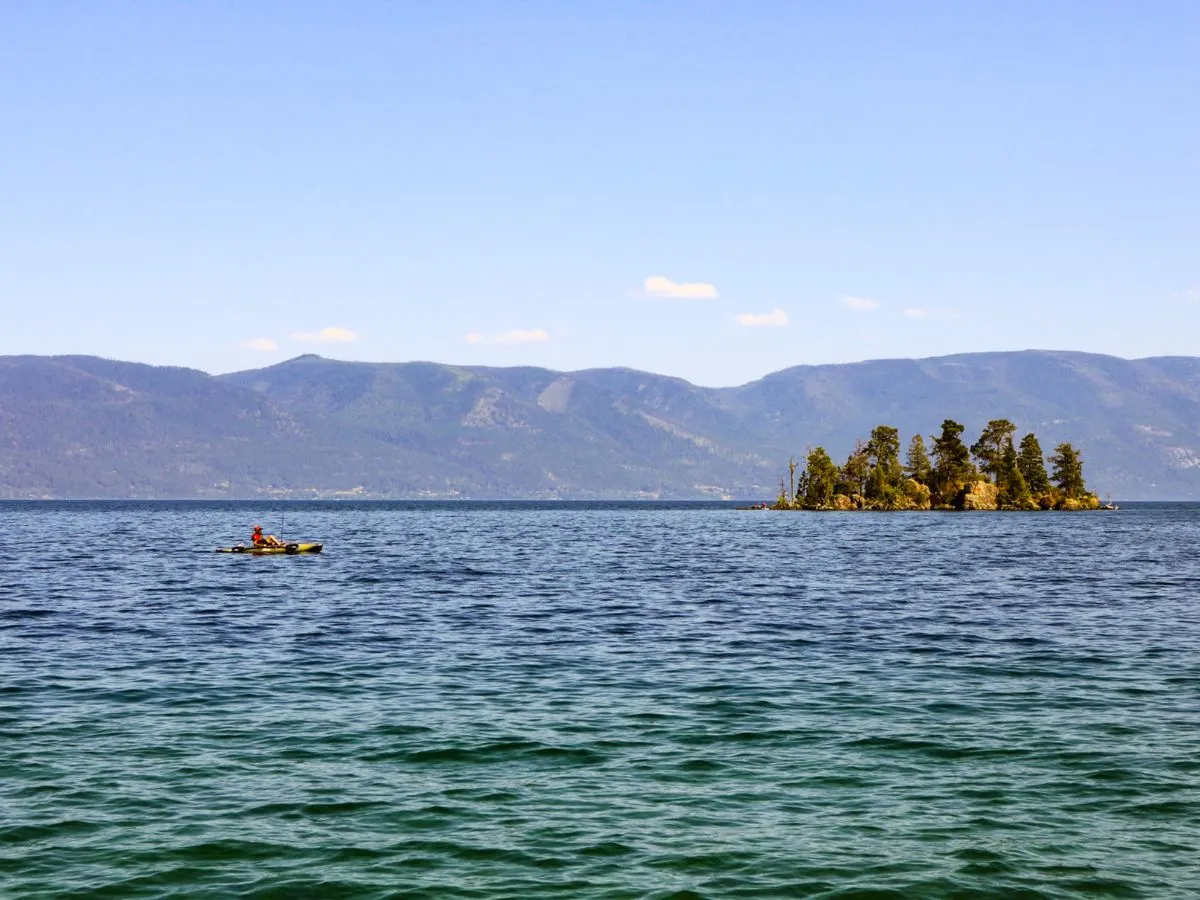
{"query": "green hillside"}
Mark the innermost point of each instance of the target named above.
(79, 426)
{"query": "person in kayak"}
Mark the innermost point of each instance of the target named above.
(261, 540)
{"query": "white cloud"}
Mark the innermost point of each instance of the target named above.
(263, 345)
(334, 334)
(1192, 296)
(658, 286)
(776, 318)
(515, 336)
(860, 303)
(913, 311)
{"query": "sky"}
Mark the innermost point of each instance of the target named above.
(709, 190)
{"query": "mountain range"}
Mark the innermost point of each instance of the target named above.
(86, 427)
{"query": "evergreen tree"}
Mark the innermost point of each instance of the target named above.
(989, 449)
(1013, 489)
(883, 452)
(918, 466)
(817, 481)
(1033, 468)
(854, 473)
(952, 466)
(1068, 471)
(884, 448)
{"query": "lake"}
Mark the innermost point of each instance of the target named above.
(490, 700)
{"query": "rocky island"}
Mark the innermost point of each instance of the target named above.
(993, 473)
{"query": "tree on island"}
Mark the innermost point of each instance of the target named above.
(917, 466)
(873, 478)
(885, 475)
(1014, 489)
(952, 467)
(853, 477)
(817, 481)
(989, 449)
(1032, 466)
(1068, 471)
(998, 460)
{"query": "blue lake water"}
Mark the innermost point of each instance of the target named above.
(599, 701)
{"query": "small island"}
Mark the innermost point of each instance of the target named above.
(993, 473)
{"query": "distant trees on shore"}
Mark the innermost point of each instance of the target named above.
(993, 473)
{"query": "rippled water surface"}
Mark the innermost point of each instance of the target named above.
(519, 701)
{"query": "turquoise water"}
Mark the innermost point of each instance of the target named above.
(588, 701)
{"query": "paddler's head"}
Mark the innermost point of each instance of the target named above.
(257, 528)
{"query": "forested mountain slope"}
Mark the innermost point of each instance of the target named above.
(78, 426)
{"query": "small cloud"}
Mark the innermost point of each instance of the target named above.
(657, 286)
(515, 336)
(776, 318)
(913, 311)
(860, 303)
(331, 335)
(263, 345)
(1192, 296)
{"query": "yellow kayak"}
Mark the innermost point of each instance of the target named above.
(287, 549)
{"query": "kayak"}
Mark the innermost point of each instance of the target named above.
(286, 549)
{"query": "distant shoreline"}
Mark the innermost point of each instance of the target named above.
(726, 505)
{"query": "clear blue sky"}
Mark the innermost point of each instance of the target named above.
(226, 185)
